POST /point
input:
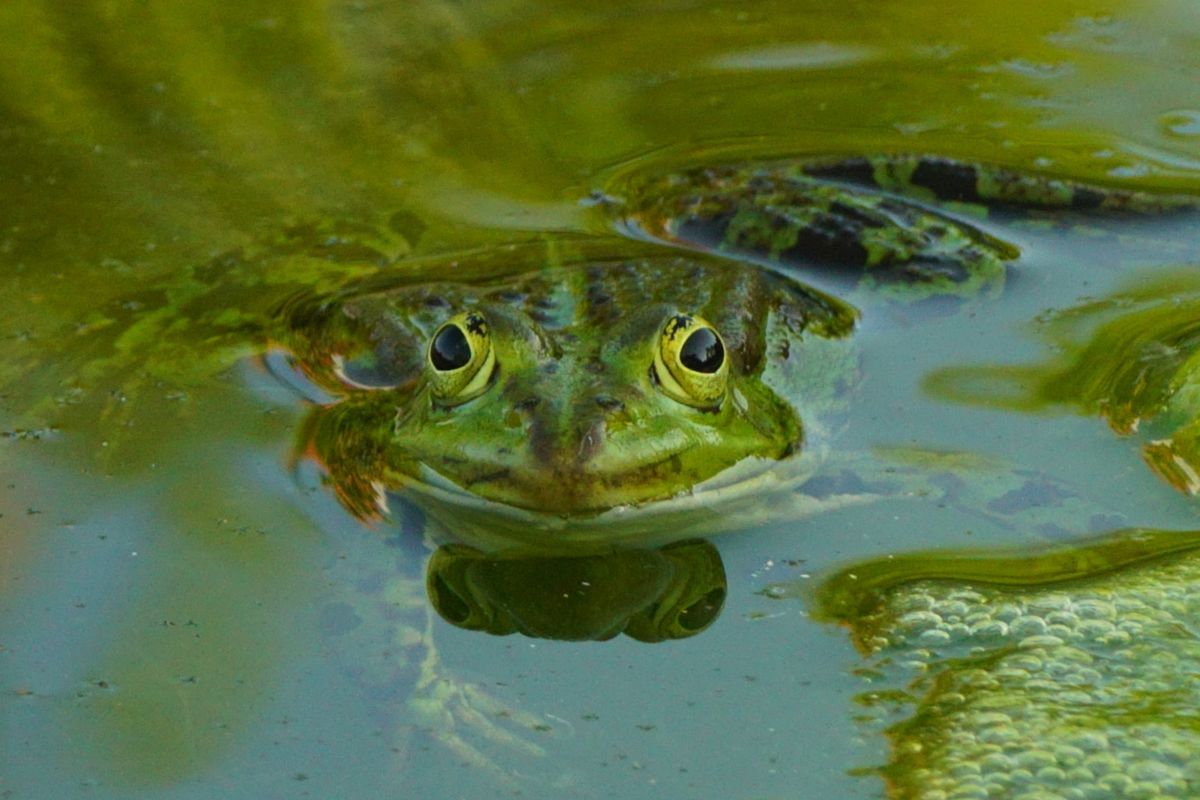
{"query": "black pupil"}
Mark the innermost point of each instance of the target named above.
(450, 350)
(702, 351)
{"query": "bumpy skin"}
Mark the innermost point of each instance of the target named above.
(574, 420)
(577, 422)
(1065, 675)
(902, 222)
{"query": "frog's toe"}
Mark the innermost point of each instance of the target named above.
(474, 725)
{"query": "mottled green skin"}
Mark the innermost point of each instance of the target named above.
(1062, 675)
(904, 226)
(574, 422)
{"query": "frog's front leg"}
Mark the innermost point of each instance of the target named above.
(381, 628)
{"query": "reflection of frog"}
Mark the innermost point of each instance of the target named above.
(673, 592)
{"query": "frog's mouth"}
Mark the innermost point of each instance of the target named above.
(738, 497)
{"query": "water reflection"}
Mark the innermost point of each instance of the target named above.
(673, 592)
(1072, 668)
(1130, 358)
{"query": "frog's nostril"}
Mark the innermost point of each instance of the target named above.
(609, 403)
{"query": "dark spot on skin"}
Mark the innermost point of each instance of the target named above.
(609, 403)
(436, 301)
(544, 303)
(550, 367)
(509, 296)
(852, 170)
(677, 323)
(541, 317)
(476, 324)
(948, 180)
(826, 241)
(853, 215)
(528, 404)
(595, 366)
(1083, 198)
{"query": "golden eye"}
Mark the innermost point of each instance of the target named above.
(460, 358)
(690, 363)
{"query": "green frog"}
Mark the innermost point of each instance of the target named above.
(566, 392)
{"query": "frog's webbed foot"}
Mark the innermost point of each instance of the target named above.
(468, 721)
(478, 728)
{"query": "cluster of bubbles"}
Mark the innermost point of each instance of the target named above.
(1085, 692)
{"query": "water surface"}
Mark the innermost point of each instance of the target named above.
(177, 602)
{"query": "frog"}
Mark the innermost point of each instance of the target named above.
(604, 389)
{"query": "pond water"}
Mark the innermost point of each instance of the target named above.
(186, 608)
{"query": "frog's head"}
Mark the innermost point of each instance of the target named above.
(570, 390)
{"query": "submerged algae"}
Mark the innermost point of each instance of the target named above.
(1070, 673)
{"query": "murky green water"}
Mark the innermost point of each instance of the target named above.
(185, 612)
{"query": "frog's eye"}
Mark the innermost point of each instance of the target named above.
(690, 363)
(460, 358)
